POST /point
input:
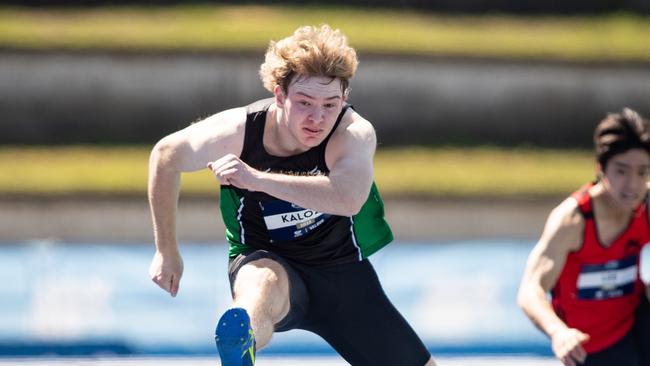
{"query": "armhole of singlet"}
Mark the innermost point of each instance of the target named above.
(323, 144)
(586, 216)
(253, 133)
(580, 196)
(337, 123)
(583, 235)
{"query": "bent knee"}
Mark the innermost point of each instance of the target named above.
(262, 274)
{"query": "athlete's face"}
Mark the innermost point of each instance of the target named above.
(311, 107)
(625, 177)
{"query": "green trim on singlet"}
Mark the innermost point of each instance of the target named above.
(230, 203)
(371, 231)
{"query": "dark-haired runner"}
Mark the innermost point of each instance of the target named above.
(588, 256)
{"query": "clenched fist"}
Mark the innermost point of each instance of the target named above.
(166, 271)
(230, 170)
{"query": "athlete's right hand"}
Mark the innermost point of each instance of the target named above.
(567, 346)
(166, 271)
(231, 170)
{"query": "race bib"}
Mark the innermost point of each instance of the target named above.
(608, 280)
(286, 221)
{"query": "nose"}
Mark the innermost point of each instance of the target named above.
(316, 115)
(634, 184)
(639, 183)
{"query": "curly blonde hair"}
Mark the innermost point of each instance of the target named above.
(310, 51)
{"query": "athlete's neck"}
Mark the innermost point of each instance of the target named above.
(610, 207)
(278, 139)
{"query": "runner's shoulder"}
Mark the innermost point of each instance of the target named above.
(352, 123)
(565, 224)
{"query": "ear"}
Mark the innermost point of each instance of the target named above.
(279, 96)
(599, 170)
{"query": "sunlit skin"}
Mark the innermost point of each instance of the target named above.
(624, 179)
(303, 117)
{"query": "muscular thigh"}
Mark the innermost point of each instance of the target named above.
(350, 310)
(250, 270)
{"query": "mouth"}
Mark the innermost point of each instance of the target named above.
(629, 196)
(312, 131)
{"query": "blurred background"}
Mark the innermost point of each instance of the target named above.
(484, 112)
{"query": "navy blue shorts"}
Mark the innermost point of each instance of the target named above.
(345, 305)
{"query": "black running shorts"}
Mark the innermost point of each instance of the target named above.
(346, 305)
(631, 350)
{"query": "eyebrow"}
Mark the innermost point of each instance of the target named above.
(311, 97)
(624, 165)
(621, 165)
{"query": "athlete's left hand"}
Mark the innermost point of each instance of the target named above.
(230, 170)
(567, 346)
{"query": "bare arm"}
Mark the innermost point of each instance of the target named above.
(562, 234)
(343, 192)
(186, 150)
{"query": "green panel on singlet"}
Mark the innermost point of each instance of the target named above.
(229, 204)
(370, 228)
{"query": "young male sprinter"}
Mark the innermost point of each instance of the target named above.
(301, 211)
(588, 256)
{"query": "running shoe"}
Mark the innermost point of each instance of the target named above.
(235, 338)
